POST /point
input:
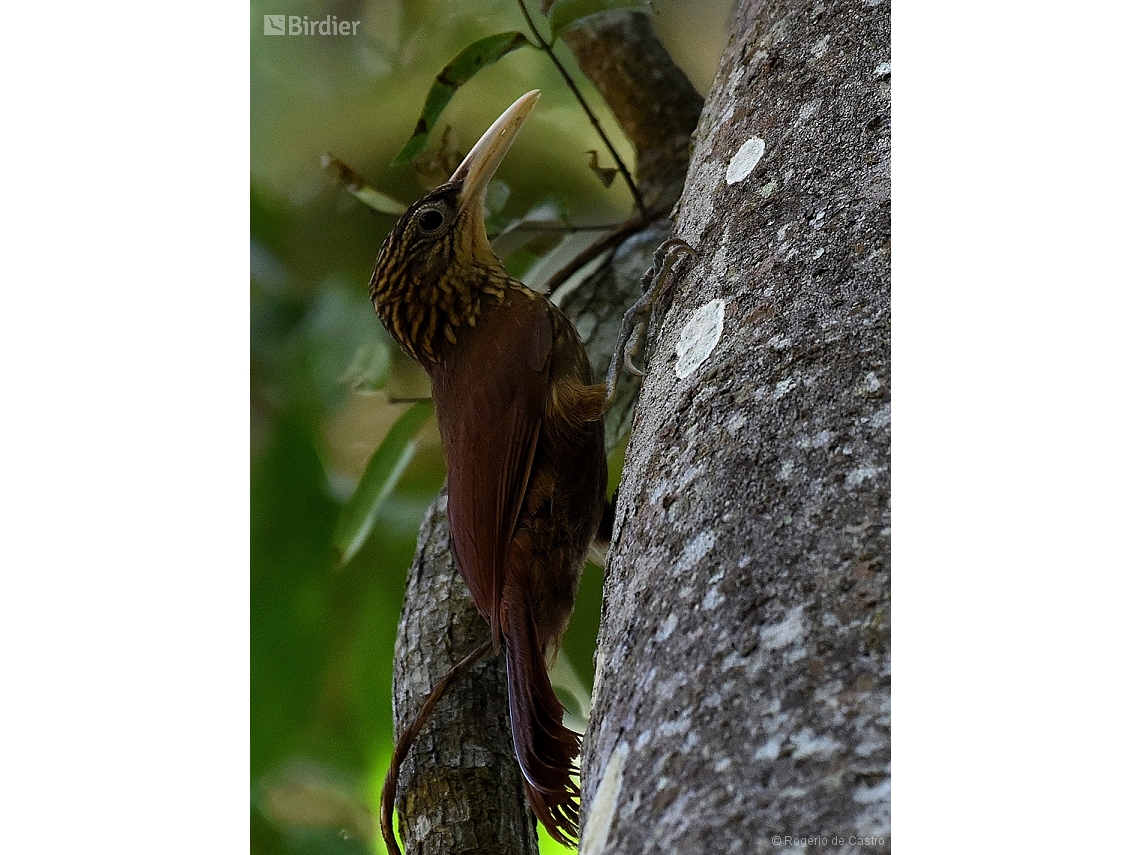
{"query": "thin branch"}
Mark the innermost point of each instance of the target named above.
(625, 174)
(388, 796)
(559, 228)
(344, 176)
(630, 227)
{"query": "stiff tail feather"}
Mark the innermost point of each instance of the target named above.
(545, 749)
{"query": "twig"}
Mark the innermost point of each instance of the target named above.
(549, 49)
(388, 796)
(554, 227)
(630, 227)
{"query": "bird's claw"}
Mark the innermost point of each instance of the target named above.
(629, 366)
(636, 320)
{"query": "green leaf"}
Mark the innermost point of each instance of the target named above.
(467, 63)
(380, 476)
(345, 176)
(566, 12)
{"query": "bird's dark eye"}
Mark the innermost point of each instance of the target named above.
(430, 220)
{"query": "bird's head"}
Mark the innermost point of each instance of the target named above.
(442, 236)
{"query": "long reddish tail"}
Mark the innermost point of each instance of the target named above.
(546, 750)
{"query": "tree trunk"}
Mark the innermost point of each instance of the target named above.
(742, 691)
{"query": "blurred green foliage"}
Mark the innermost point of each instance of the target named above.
(322, 369)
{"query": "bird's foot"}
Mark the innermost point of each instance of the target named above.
(635, 321)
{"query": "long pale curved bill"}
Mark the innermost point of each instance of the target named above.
(479, 166)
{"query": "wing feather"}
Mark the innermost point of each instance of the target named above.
(490, 401)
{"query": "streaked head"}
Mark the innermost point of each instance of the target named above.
(445, 230)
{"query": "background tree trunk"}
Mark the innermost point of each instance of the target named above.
(742, 688)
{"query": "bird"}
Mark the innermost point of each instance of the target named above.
(521, 423)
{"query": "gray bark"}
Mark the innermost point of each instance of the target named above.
(460, 789)
(742, 688)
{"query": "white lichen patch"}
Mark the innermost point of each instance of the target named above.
(729, 108)
(782, 388)
(688, 476)
(861, 473)
(744, 161)
(712, 599)
(695, 550)
(883, 69)
(790, 630)
(828, 694)
(699, 337)
(776, 34)
(881, 792)
(768, 189)
(669, 729)
(822, 439)
(597, 831)
(666, 629)
(807, 744)
(735, 77)
(720, 262)
(770, 750)
(808, 110)
(882, 418)
(869, 746)
(820, 47)
(422, 825)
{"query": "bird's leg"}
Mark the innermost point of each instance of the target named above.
(634, 322)
(652, 284)
(388, 796)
